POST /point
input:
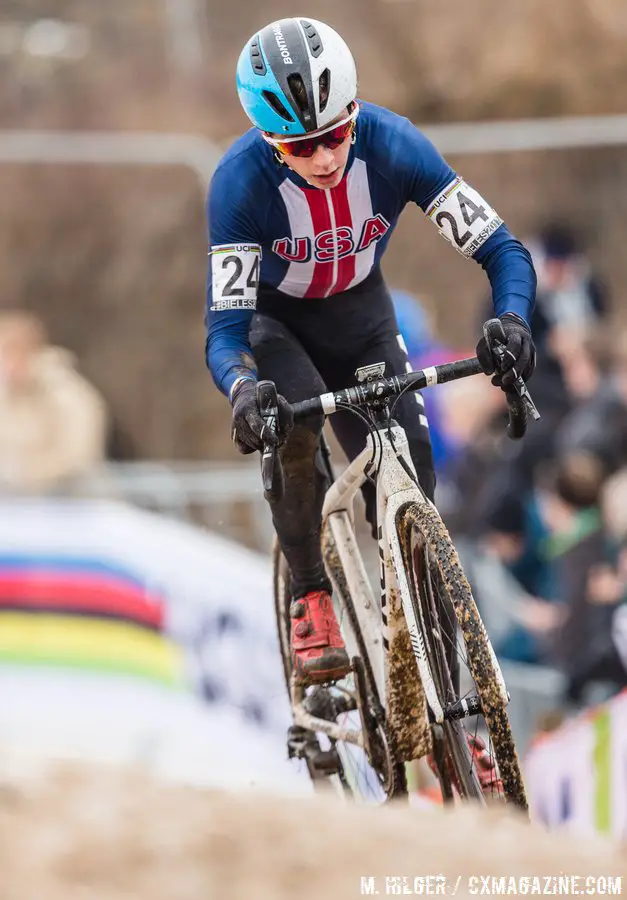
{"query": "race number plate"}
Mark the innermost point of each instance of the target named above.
(463, 217)
(235, 276)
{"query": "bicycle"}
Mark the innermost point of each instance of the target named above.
(403, 698)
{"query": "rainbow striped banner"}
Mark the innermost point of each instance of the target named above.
(83, 612)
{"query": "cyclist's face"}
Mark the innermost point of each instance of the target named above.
(325, 168)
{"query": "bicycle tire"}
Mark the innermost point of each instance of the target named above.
(420, 525)
(394, 784)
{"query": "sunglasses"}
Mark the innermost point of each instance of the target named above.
(331, 137)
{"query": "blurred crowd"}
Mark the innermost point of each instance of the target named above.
(53, 422)
(541, 525)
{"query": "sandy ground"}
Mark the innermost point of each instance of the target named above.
(95, 834)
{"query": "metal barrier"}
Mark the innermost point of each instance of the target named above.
(227, 498)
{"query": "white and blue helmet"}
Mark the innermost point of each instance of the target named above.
(295, 76)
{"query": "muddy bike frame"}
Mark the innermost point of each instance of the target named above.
(395, 489)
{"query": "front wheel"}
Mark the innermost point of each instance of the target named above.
(463, 668)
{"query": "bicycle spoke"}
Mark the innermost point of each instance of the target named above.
(461, 655)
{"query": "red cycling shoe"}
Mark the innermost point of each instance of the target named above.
(484, 764)
(318, 651)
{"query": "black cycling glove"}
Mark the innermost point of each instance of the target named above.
(248, 430)
(520, 353)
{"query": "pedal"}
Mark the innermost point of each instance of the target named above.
(325, 762)
(319, 703)
(303, 744)
(298, 739)
(322, 704)
(344, 703)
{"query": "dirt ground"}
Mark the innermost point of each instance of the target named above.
(93, 834)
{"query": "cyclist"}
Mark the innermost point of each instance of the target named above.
(300, 211)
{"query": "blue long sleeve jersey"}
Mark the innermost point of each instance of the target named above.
(271, 233)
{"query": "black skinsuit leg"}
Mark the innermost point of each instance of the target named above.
(296, 517)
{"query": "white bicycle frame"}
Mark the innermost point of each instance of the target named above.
(394, 489)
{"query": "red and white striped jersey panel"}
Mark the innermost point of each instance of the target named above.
(360, 202)
(331, 223)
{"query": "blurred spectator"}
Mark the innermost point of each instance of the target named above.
(569, 294)
(508, 507)
(582, 408)
(571, 302)
(607, 586)
(598, 423)
(581, 644)
(545, 515)
(413, 323)
(552, 541)
(423, 349)
(52, 421)
(570, 306)
(516, 535)
(472, 420)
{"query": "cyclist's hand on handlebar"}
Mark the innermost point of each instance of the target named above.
(249, 432)
(519, 358)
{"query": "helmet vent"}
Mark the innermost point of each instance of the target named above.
(313, 38)
(277, 106)
(325, 85)
(256, 59)
(299, 91)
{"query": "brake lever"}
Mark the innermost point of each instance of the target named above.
(520, 387)
(271, 468)
(494, 334)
